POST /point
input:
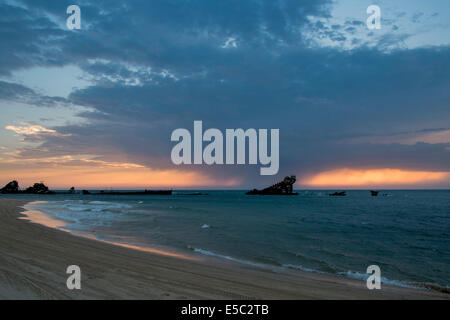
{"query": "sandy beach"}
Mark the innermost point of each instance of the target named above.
(34, 258)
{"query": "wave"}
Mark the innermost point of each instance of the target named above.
(261, 265)
(255, 264)
(89, 214)
(95, 206)
(217, 255)
(348, 274)
(398, 283)
(301, 268)
(82, 214)
(384, 280)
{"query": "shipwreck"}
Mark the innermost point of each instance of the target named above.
(338, 194)
(135, 193)
(284, 187)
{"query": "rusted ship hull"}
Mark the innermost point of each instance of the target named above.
(283, 188)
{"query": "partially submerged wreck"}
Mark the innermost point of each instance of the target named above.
(136, 193)
(338, 194)
(284, 187)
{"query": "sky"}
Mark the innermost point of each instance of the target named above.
(95, 107)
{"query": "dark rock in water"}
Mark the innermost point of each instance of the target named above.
(374, 193)
(72, 190)
(85, 192)
(11, 187)
(38, 188)
(338, 194)
(284, 187)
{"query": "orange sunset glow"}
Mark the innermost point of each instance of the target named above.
(373, 177)
(105, 177)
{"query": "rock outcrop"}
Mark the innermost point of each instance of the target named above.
(38, 188)
(13, 188)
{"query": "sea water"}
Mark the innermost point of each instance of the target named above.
(405, 233)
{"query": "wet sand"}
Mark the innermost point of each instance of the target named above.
(34, 258)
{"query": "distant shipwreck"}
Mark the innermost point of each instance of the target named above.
(284, 187)
(338, 194)
(135, 193)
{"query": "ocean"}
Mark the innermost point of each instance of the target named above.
(406, 233)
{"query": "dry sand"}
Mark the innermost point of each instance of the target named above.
(34, 258)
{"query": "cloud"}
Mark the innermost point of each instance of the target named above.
(33, 32)
(70, 161)
(416, 17)
(100, 174)
(233, 64)
(431, 136)
(28, 38)
(16, 92)
(30, 130)
(34, 133)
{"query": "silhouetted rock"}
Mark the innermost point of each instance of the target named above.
(85, 192)
(11, 187)
(38, 188)
(284, 187)
(72, 190)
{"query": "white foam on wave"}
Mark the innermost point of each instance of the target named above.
(212, 254)
(301, 268)
(365, 276)
(81, 213)
(349, 274)
(254, 264)
(94, 206)
(205, 226)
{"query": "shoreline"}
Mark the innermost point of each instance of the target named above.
(34, 259)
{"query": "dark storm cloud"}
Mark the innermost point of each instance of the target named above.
(317, 100)
(159, 65)
(161, 33)
(27, 39)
